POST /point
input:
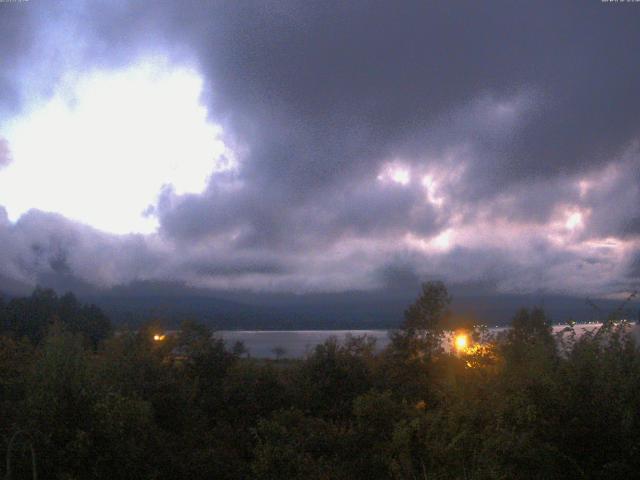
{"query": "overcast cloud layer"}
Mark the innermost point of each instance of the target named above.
(375, 143)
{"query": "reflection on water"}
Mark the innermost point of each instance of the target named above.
(297, 343)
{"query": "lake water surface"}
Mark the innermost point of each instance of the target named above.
(297, 343)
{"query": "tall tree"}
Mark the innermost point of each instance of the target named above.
(424, 321)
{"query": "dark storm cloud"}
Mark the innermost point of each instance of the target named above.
(401, 276)
(634, 269)
(614, 198)
(267, 218)
(508, 104)
(325, 94)
(239, 267)
(335, 89)
(48, 244)
(16, 36)
(47, 249)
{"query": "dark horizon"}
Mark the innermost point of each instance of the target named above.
(139, 303)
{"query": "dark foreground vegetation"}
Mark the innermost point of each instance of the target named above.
(79, 402)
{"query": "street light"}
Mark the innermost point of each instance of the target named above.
(461, 342)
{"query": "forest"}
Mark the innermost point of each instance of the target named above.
(80, 399)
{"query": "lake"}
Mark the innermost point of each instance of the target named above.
(297, 343)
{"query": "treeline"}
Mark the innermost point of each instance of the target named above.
(131, 407)
(32, 317)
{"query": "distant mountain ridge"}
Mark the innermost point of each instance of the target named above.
(171, 302)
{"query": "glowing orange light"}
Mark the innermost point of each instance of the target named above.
(461, 342)
(158, 338)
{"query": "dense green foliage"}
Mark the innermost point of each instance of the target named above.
(93, 406)
(32, 317)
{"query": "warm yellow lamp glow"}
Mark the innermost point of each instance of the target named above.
(158, 338)
(461, 342)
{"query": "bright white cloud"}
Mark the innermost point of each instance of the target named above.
(431, 187)
(574, 221)
(395, 173)
(440, 243)
(100, 150)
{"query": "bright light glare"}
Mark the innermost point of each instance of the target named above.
(574, 221)
(461, 342)
(102, 147)
(395, 173)
(400, 176)
(158, 338)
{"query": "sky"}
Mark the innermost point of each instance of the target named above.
(321, 146)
